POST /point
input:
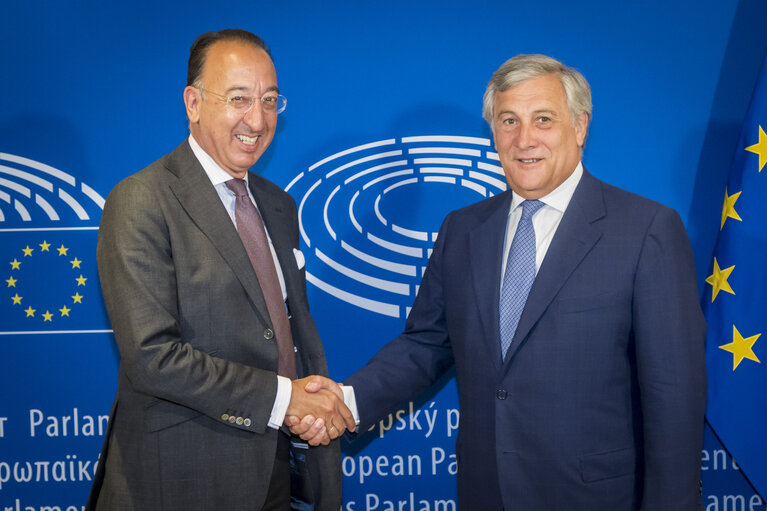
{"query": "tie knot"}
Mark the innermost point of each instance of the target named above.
(529, 207)
(237, 186)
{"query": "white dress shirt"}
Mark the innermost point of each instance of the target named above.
(545, 221)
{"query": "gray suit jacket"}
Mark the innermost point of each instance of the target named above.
(197, 380)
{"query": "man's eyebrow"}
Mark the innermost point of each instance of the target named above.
(242, 88)
(551, 113)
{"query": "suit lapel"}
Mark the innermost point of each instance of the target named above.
(574, 238)
(485, 256)
(199, 199)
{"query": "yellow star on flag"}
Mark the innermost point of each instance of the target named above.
(75, 263)
(48, 316)
(15, 264)
(760, 148)
(27, 251)
(81, 280)
(77, 298)
(64, 311)
(62, 250)
(11, 282)
(30, 312)
(718, 280)
(728, 210)
(16, 299)
(45, 246)
(741, 348)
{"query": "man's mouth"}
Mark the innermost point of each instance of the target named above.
(529, 160)
(247, 140)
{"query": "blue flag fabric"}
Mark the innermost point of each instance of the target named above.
(735, 303)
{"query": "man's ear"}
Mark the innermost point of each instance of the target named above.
(192, 100)
(581, 128)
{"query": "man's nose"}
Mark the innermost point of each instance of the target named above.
(525, 136)
(255, 118)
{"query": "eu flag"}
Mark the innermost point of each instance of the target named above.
(735, 302)
(49, 282)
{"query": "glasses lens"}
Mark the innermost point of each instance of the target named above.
(282, 102)
(274, 103)
(269, 102)
(241, 102)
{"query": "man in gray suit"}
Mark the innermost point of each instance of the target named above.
(205, 288)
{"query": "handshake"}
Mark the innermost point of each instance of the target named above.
(317, 412)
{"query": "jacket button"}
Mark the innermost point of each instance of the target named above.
(501, 394)
(247, 423)
(232, 419)
(239, 421)
(268, 334)
(225, 417)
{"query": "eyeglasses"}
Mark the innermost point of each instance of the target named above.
(270, 101)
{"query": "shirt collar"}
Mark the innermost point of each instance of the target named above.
(215, 173)
(560, 196)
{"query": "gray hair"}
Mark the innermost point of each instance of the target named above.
(525, 67)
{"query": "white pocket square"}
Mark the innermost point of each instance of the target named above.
(300, 261)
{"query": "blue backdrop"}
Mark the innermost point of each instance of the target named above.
(382, 136)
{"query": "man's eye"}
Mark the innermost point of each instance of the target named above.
(544, 119)
(269, 102)
(239, 101)
(509, 121)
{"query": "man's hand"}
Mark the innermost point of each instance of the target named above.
(317, 412)
(311, 430)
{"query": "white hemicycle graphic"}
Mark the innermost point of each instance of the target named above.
(369, 215)
(31, 191)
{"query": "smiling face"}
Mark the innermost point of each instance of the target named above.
(538, 144)
(234, 140)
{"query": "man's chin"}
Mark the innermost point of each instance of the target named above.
(245, 160)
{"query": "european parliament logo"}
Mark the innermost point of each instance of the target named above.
(369, 215)
(48, 227)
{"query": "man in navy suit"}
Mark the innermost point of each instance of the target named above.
(594, 401)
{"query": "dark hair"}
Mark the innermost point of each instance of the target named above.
(199, 50)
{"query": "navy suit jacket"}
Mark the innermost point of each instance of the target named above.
(599, 403)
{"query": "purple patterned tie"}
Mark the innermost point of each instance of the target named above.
(250, 227)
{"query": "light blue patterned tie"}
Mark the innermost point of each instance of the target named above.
(519, 275)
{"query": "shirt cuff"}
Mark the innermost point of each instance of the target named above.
(281, 402)
(351, 402)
